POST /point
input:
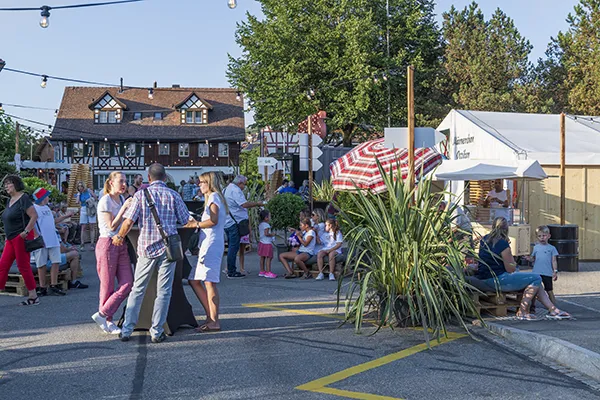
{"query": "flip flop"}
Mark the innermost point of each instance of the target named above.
(205, 329)
(559, 316)
(527, 317)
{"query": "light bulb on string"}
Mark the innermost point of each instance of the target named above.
(45, 21)
(151, 93)
(44, 81)
(308, 96)
(55, 113)
(384, 77)
(106, 139)
(375, 80)
(238, 96)
(232, 4)
(0, 106)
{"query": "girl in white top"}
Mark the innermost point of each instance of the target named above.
(306, 236)
(205, 275)
(331, 249)
(112, 262)
(318, 225)
(265, 245)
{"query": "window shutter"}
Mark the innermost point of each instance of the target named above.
(69, 149)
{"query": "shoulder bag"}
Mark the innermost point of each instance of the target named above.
(173, 242)
(243, 225)
(34, 244)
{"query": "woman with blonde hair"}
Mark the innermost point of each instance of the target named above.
(497, 268)
(112, 262)
(205, 275)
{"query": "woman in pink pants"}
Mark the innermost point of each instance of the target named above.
(112, 262)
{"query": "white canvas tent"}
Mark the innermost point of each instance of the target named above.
(509, 137)
(467, 170)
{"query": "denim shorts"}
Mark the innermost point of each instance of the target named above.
(514, 282)
(303, 252)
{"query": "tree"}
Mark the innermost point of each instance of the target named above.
(486, 62)
(308, 55)
(8, 136)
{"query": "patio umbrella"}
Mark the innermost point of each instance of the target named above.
(358, 167)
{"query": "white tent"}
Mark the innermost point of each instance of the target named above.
(479, 170)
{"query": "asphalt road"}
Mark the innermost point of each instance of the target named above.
(266, 351)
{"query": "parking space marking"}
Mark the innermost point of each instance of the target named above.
(321, 385)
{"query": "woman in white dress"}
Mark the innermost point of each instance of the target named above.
(205, 275)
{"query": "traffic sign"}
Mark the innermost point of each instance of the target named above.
(317, 165)
(424, 137)
(266, 161)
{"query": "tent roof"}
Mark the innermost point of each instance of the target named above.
(476, 170)
(538, 135)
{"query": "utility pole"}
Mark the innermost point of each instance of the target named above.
(389, 93)
(17, 138)
(310, 163)
(411, 126)
(562, 167)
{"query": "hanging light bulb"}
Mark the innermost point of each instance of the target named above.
(151, 93)
(232, 4)
(55, 113)
(308, 96)
(312, 92)
(375, 79)
(384, 77)
(158, 142)
(106, 139)
(45, 22)
(44, 81)
(0, 106)
(238, 96)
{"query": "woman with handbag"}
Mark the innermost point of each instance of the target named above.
(87, 216)
(19, 219)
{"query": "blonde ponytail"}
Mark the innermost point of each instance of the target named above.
(107, 185)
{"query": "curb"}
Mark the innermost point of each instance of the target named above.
(577, 358)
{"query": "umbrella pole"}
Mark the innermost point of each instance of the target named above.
(562, 168)
(411, 126)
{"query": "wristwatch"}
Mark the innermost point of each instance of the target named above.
(119, 237)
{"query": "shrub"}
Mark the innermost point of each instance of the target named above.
(33, 183)
(285, 209)
(323, 192)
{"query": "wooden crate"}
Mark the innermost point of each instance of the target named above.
(16, 283)
(497, 304)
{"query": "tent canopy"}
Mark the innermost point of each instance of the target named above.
(479, 170)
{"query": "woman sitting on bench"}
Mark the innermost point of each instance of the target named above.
(497, 269)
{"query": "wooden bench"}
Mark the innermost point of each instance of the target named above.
(496, 304)
(311, 264)
(16, 283)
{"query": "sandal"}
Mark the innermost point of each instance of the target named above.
(557, 315)
(308, 275)
(526, 317)
(289, 276)
(31, 302)
(205, 329)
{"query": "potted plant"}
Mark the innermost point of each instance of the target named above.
(405, 264)
(285, 209)
(322, 194)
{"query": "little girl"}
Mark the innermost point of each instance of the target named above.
(265, 245)
(331, 249)
(306, 236)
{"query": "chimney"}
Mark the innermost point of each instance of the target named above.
(155, 84)
(176, 86)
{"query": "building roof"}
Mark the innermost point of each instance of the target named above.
(75, 120)
(535, 136)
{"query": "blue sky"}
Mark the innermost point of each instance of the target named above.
(169, 41)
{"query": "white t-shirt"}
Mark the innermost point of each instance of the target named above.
(261, 230)
(235, 198)
(502, 196)
(322, 234)
(45, 226)
(334, 241)
(107, 204)
(310, 249)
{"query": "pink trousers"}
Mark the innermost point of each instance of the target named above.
(112, 262)
(15, 249)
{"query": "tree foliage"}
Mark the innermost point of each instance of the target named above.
(8, 137)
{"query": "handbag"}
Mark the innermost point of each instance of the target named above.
(243, 225)
(91, 206)
(33, 244)
(172, 243)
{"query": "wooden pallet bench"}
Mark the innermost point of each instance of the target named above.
(16, 283)
(497, 304)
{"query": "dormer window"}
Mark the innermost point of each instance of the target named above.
(194, 110)
(158, 116)
(107, 110)
(137, 116)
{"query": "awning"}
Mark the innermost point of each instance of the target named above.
(480, 170)
(28, 164)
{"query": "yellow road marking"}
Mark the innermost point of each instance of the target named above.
(268, 306)
(297, 303)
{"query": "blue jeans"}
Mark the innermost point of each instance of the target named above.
(233, 239)
(514, 282)
(143, 272)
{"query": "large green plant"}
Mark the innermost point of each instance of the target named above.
(285, 209)
(254, 192)
(33, 183)
(404, 260)
(323, 192)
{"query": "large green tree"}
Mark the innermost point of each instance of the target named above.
(8, 136)
(309, 55)
(486, 62)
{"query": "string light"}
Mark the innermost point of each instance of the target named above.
(232, 4)
(45, 22)
(55, 113)
(106, 139)
(151, 94)
(0, 106)
(238, 96)
(44, 81)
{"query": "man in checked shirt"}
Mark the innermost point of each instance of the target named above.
(151, 250)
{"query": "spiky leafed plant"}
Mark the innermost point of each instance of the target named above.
(254, 192)
(404, 260)
(324, 191)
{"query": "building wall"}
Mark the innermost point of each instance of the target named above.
(582, 204)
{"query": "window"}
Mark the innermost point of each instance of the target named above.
(57, 155)
(195, 117)
(158, 116)
(108, 117)
(184, 149)
(77, 149)
(104, 150)
(198, 117)
(223, 149)
(100, 179)
(130, 150)
(164, 149)
(137, 116)
(117, 148)
(189, 117)
(202, 149)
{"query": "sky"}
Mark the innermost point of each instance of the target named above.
(182, 42)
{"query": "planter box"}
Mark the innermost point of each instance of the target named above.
(321, 204)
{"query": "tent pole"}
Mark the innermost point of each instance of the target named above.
(411, 126)
(562, 168)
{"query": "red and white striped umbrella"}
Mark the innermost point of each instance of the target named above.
(358, 167)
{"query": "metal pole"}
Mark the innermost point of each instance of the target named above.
(389, 93)
(562, 168)
(17, 138)
(263, 151)
(411, 126)
(310, 163)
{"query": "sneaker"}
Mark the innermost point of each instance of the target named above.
(320, 277)
(77, 285)
(332, 277)
(159, 339)
(55, 291)
(235, 275)
(270, 275)
(124, 338)
(101, 321)
(112, 328)
(262, 273)
(41, 291)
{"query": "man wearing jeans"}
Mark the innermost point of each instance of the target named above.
(151, 250)
(238, 209)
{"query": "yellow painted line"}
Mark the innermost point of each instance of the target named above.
(301, 312)
(319, 385)
(298, 303)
